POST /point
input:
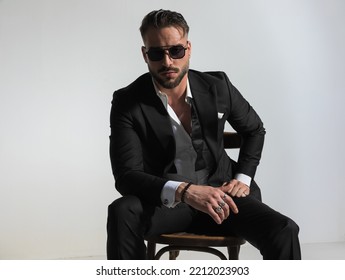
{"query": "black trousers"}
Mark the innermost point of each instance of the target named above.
(130, 219)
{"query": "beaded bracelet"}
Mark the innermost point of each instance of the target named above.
(184, 191)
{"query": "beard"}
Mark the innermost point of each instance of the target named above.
(169, 83)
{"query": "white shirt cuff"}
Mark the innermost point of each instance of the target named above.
(168, 193)
(245, 179)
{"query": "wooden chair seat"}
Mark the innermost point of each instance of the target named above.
(193, 242)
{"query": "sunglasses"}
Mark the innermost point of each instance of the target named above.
(158, 53)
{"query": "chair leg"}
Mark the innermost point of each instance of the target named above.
(234, 252)
(173, 254)
(151, 250)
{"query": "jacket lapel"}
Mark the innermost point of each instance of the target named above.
(158, 118)
(204, 96)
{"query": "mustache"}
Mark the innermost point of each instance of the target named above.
(166, 69)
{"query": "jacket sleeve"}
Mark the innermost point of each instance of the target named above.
(126, 154)
(247, 123)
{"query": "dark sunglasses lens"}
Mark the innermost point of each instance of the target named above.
(177, 52)
(155, 54)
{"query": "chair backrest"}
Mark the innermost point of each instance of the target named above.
(232, 140)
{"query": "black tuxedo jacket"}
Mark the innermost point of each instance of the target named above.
(142, 145)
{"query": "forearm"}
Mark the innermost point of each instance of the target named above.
(250, 153)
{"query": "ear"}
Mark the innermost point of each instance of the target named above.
(189, 46)
(143, 51)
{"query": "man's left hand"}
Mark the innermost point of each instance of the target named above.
(235, 188)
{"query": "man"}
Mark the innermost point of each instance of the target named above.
(168, 158)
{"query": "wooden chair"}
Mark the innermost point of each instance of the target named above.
(175, 242)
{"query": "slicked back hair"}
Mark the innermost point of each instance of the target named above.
(163, 18)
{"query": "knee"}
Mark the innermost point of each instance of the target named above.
(292, 227)
(288, 230)
(124, 207)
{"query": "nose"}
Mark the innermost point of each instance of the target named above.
(167, 61)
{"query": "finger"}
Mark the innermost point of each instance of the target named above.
(227, 187)
(220, 206)
(241, 192)
(232, 205)
(220, 211)
(235, 190)
(246, 191)
(214, 215)
(225, 207)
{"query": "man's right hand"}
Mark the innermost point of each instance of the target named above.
(210, 200)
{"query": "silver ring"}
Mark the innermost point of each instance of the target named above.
(224, 196)
(221, 204)
(218, 209)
